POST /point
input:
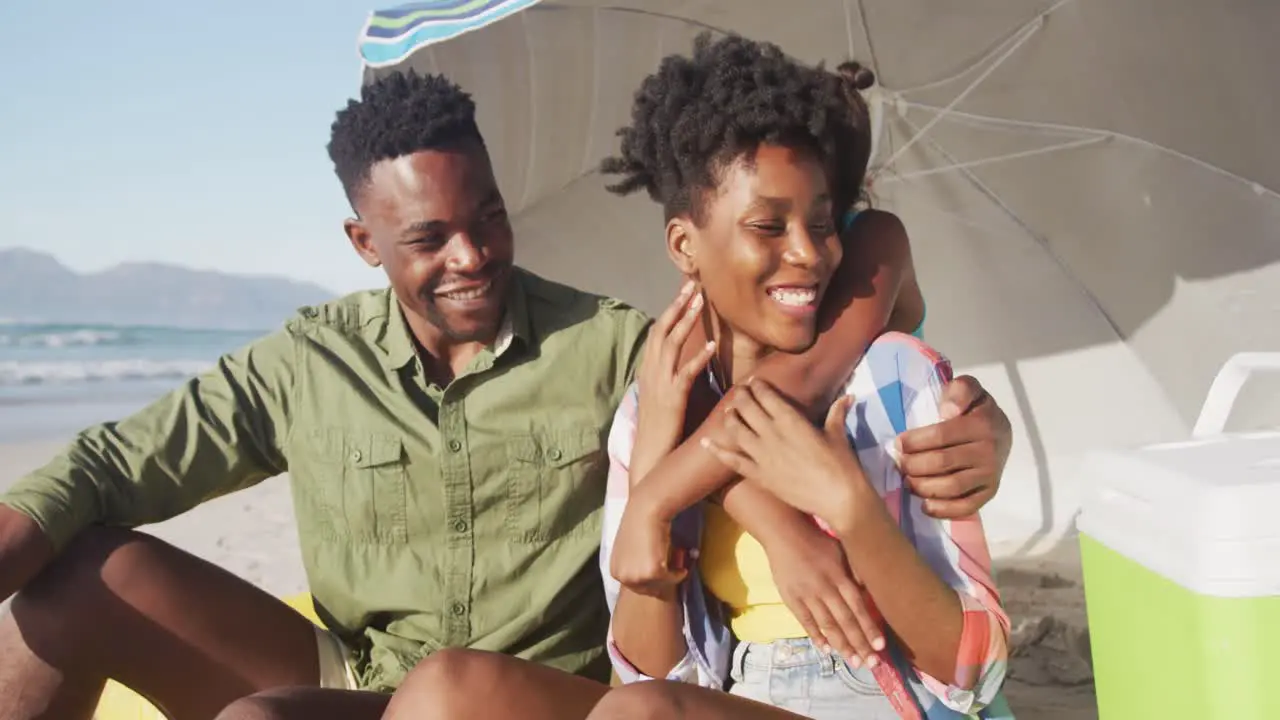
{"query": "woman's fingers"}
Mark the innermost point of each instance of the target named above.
(675, 340)
(748, 441)
(805, 618)
(738, 462)
(858, 604)
(689, 372)
(748, 409)
(667, 320)
(851, 643)
(827, 627)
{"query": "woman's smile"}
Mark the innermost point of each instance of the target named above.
(800, 301)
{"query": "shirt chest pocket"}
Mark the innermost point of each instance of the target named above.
(355, 484)
(555, 485)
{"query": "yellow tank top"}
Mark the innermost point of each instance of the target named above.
(735, 569)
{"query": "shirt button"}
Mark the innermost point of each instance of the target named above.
(454, 445)
(555, 454)
(458, 608)
(355, 456)
(460, 525)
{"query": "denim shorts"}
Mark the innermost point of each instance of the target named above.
(796, 676)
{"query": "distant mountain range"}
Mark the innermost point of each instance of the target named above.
(35, 287)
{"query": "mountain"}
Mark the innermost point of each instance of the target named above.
(35, 287)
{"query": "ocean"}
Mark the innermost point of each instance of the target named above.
(57, 379)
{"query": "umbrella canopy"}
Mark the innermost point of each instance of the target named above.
(1089, 186)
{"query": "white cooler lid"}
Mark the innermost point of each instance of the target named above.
(1203, 513)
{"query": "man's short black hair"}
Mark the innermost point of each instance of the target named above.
(399, 114)
(697, 114)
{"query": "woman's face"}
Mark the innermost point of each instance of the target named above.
(766, 250)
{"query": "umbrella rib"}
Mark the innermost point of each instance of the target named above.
(1254, 185)
(532, 157)
(848, 26)
(595, 92)
(1039, 239)
(1026, 34)
(635, 11)
(1072, 145)
(866, 33)
(994, 51)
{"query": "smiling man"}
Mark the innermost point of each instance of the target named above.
(444, 439)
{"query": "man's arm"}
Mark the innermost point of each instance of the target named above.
(222, 431)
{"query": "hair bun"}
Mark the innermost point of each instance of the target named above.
(855, 74)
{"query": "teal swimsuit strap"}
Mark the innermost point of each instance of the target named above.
(850, 215)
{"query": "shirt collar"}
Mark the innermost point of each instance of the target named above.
(396, 341)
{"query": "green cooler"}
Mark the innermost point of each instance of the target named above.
(1180, 544)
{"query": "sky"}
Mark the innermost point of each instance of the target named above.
(179, 132)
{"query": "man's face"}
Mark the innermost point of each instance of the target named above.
(436, 223)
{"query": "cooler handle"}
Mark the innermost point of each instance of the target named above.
(1226, 387)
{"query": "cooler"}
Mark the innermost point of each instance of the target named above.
(1180, 545)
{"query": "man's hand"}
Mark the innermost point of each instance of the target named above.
(816, 583)
(956, 464)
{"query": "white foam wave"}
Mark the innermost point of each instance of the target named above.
(64, 372)
(67, 338)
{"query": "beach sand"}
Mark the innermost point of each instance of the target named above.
(252, 534)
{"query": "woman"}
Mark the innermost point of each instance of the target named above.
(738, 144)
(751, 196)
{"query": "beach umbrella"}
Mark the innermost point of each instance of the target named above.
(1089, 185)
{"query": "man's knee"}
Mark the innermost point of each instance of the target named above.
(267, 705)
(99, 557)
(655, 700)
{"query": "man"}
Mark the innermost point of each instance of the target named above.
(444, 441)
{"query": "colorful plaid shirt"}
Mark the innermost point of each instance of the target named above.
(897, 385)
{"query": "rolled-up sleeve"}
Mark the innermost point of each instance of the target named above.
(957, 551)
(221, 431)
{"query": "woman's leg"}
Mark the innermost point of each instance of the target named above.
(456, 684)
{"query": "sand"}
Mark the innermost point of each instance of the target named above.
(252, 534)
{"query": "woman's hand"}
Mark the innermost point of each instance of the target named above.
(817, 585)
(813, 470)
(643, 560)
(664, 382)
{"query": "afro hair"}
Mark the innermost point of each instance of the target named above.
(698, 114)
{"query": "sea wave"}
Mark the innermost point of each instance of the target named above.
(66, 372)
(55, 336)
(62, 338)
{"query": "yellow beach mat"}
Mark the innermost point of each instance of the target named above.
(120, 703)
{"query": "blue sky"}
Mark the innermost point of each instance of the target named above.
(189, 133)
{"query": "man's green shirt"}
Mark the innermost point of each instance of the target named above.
(429, 517)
